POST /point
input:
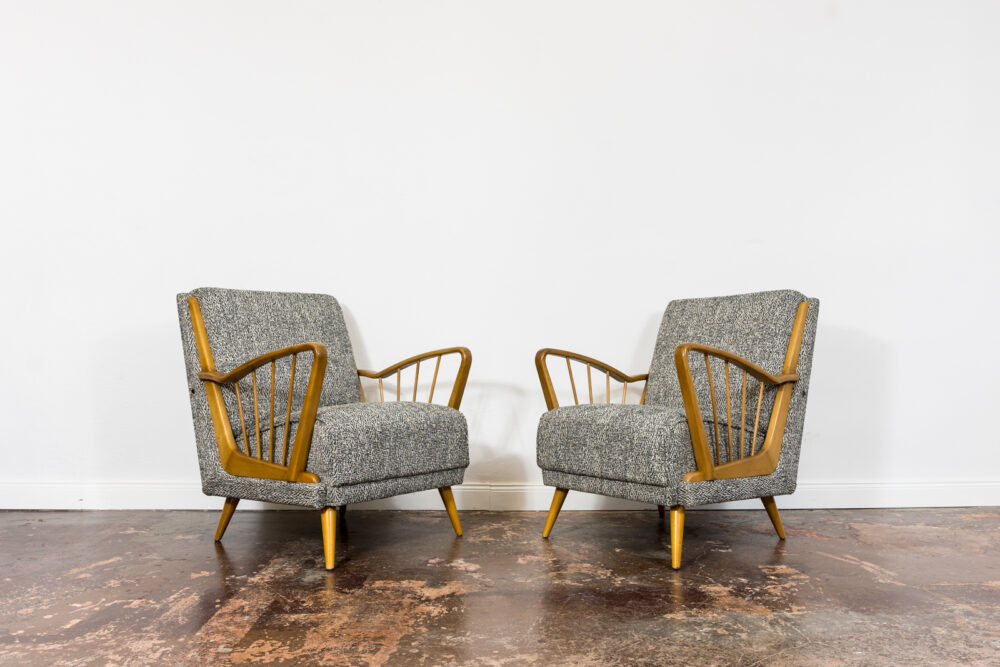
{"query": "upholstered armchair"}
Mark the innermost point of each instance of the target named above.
(280, 413)
(719, 418)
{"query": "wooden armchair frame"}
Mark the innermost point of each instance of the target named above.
(290, 466)
(708, 455)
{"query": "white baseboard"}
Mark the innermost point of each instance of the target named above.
(487, 496)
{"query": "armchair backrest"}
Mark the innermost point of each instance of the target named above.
(754, 326)
(241, 325)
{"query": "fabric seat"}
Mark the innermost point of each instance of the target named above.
(369, 442)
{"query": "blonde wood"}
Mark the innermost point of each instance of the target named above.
(437, 366)
(328, 518)
(676, 535)
(271, 451)
(461, 378)
(765, 460)
(715, 414)
(772, 514)
(624, 391)
(756, 421)
(256, 414)
(227, 515)
(729, 416)
(449, 504)
(548, 389)
(590, 387)
(288, 413)
(398, 383)
(381, 394)
(569, 367)
(557, 502)
(232, 459)
(416, 381)
(743, 416)
(607, 387)
(243, 423)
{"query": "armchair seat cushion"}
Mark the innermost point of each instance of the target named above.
(645, 444)
(355, 443)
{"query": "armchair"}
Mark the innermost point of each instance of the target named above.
(720, 416)
(289, 422)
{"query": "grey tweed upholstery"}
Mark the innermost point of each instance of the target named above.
(360, 451)
(642, 452)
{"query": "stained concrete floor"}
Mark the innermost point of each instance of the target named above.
(856, 587)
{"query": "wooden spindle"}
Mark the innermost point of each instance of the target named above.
(288, 413)
(416, 381)
(624, 391)
(381, 393)
(270, 456)
(607, 387)
(256, 415)
(399, 383)
(243, 422)
(571, 382)
(715, 414)
(756, 421)
(590, 386)
(435, 378)
(729, 415)
(743, 416)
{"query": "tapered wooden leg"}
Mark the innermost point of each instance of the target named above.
(329, 520)
(449, 504)
(227, 514)
(676, 535)
(772, 513)
(662, 510)
(557, 502)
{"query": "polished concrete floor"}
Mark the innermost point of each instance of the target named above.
(859, 587)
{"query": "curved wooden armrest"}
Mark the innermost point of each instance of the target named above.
(753, 369)
(712, 460)
(454, 401)
(609, 371)
(236, 462)
(241, 371)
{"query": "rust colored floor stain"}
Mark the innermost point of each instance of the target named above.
(855, 587)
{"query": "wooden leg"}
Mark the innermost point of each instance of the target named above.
(449, 504)
(329, 520)
(227, 514)
(662, 510)
(557, 503)
(676, 535)
(772, 513)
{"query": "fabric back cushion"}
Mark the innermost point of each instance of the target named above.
(242, 325)
(754, 326)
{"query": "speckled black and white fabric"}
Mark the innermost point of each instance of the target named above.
(642, 452)
(360, 451)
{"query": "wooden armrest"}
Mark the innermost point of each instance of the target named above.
(237, 462)
(610, 372)
(713, 462)
(241, 371)
(454, 401)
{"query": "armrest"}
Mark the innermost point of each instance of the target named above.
(454, 401)
(711, 461)
(236, 462)
(245, 369)
(609, 371)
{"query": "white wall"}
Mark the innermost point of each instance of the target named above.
(506, 176)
